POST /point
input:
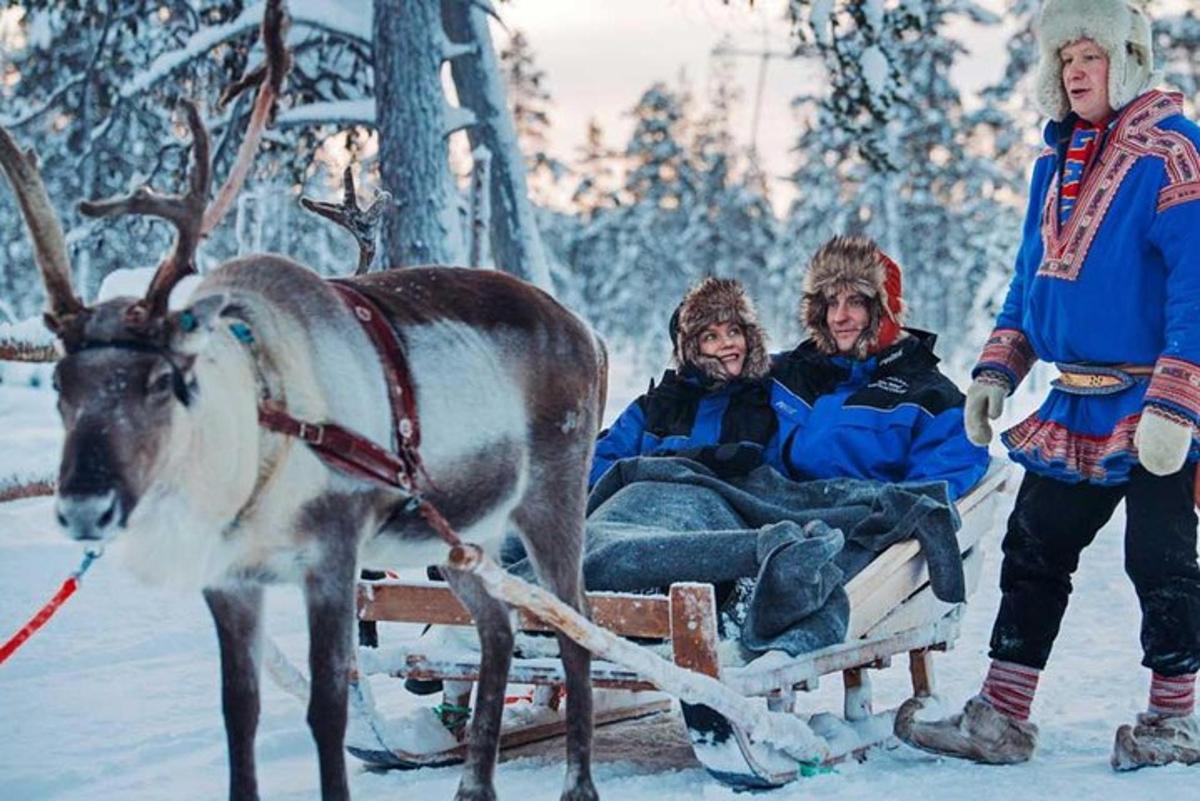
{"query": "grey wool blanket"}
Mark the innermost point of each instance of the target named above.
(657, 520)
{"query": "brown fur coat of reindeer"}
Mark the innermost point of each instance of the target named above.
(165, 457)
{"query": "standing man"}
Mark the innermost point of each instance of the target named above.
(1107, 286)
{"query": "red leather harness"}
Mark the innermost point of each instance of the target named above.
(350, 452)
(346, 450)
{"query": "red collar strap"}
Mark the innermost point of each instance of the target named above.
(346, 450)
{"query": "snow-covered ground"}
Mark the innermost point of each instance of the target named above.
(118, 696)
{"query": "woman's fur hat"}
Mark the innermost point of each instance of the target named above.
(718, 300)
(1119, 27)
(857, 263)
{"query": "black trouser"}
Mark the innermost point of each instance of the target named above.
(1050, 526)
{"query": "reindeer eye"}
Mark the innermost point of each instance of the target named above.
(160, 384)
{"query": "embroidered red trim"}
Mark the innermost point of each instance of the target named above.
(1135, 136)
(1083, 455)
(1176, 195)
(1176, 384)
(1009, 350)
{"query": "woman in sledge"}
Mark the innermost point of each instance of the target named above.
(863, 396)
(714, 406)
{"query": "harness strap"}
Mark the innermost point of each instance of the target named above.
(395, 366)
(343, 449)
(350, 452)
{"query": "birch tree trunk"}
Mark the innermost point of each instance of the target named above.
(514, 237)
(423, 228)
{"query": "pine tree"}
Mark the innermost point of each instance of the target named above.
(1177, 46)
(949, 218)
(529, 101)
(598, 183)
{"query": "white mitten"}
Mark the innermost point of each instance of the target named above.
(1162, 443)
(985, 401)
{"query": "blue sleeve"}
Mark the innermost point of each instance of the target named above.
(1175, 386)
(1029, 256)
(941, 452)
(622, 440)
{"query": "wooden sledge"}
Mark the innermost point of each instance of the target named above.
(893, 611)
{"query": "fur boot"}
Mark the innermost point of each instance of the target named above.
(1157, 740)
(978, 733)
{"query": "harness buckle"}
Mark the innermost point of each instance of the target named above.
(312, 433)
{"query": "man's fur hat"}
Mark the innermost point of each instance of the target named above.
(718, 300)
(1119, 27)
(857, 263)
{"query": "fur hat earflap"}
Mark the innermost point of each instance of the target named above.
(1121, 29)
(718, 300)
(855, 263)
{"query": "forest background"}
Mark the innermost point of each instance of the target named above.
(457, 120)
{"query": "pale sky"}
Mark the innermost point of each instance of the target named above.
(600, 55)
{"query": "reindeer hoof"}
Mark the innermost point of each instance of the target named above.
(583, 790)
(476, 793)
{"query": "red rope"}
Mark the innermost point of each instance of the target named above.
(64, 592)
(46, 612)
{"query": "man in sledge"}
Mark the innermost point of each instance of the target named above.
(1107, 285)
(863, 396)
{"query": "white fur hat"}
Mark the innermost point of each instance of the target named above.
(1119, 27)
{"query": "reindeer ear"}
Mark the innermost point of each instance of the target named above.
(192, 327)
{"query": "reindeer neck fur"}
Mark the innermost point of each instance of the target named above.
(240, 487)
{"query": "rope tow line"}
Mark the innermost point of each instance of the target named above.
(46, 612)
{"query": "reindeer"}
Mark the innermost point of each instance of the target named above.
(214, 446)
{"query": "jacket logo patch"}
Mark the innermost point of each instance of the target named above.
(892, 384)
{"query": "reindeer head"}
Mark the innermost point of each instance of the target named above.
(129, 380)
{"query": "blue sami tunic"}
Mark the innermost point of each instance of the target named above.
(893, 417)
(1118, 283)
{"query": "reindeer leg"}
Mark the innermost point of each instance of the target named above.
(550, 518)
(329, 595)
(496, 646)
(237, 613)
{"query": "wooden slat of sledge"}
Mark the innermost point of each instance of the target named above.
(924, 606)
(901, 570)
(764, 676)
(426, 664)
(418, 602)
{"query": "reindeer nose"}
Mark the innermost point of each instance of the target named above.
(89, 517)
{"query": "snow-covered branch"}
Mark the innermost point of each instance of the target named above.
(458, 118)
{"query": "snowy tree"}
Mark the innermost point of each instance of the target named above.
(950, 218)
(732, 231)
(596, 169)
(412, 119)
(529, 101)
(95, 85)
(515, 240)
(1177, 46)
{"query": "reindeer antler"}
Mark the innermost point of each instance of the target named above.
(185, 212)
(49, 244)
(190, 213)
(268, 76)
(362, 224)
